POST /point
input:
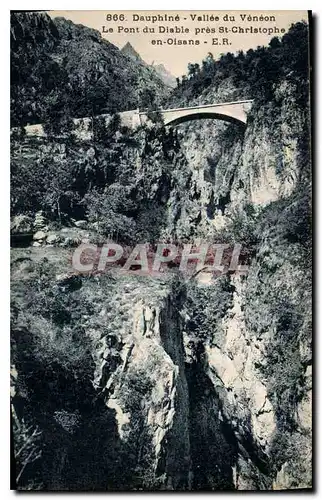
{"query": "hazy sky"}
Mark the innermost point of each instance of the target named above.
(176, 57)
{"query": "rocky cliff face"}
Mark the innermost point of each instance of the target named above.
(232, 166)
(151, 363)
(265, 338)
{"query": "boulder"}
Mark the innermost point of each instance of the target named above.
(81, 224)
(39, 235)
(52, 238)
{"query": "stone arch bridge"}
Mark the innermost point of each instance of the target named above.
(235, 112)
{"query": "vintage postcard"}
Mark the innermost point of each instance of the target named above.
(161, 250)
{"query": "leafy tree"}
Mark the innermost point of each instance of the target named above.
(110, 210)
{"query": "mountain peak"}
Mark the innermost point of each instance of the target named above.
(160, 69)
(130, 51)
(165, 75)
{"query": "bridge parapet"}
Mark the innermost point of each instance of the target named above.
(231, 111)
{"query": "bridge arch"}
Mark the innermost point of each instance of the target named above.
(203, 116)
(234, 112)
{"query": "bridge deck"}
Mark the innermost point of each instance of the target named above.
(202, 106)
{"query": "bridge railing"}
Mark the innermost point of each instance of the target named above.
(203, 106)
